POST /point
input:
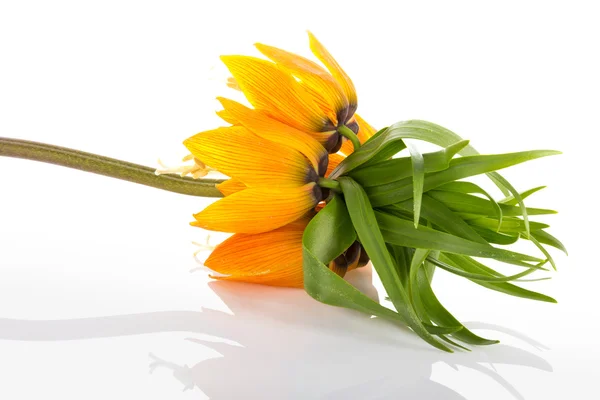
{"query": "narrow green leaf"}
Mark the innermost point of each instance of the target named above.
(334, 224)
(436, 134)
(459, 168)
(519, 199)
(469, 187)
(508, 226)
(542, 249)
(438, 214)
(510, 200)
(440, 315)
(497, 238)
(365, 224)
(468, 264)
(481, 277)
(403, 233)
(374, 174)
(546, 238)
(418, 258)
(466, 203)
(441, 330)
(418, 170)
(387, 143)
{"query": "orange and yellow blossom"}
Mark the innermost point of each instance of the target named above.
(274, 154)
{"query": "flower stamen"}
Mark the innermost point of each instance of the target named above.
(196, 170)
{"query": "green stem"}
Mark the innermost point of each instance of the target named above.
(330, 184)
(107, 166)
(350, 135)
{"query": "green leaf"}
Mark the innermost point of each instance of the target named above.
(333, 223)
(441, 330)
(482, 277)
(497, 238)
(467, 188)
(440, 215)
(542, 249)
(436, 134)
(374, 174)
(466, 203)
(402, 233)
(440, 315)
(387, 143)
(546, 238)
(365, 224)
(441, 136)
(418, 170)
(459, 168)
(469, 265)
(510, 200)
(508, 226)
(379, 147)
(519, 199)
(419, 257)
(401, 257)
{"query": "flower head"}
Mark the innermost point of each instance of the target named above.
(296, 91)
(274, 154)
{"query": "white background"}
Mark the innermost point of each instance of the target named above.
(95, 273)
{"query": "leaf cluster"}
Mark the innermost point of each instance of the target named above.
(415, 214)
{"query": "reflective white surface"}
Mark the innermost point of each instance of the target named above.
(96, 295)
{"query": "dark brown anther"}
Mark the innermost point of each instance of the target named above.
(339, 265)
(317, 193)
(311, 175)
(347, 261)
(342, 116)
(353, 254)
(353, 126)
(363, 259)
(338, 144)
(333, 143)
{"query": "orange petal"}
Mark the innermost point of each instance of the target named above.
(238, 153)
(338, 73)
(334, 160)
(231, 186)
(365, 132)
(256, 210)
(270, 258)
(269, 88)
(321, 85)
(270, 129)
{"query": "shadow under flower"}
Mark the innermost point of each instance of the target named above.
(280, 343)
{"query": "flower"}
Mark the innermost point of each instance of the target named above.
(296, 91)
(279, 182)
(274, 155)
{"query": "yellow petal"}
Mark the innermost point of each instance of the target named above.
(270, 258)
(258, 209)
(271, 89)
(321, 85)
(338, 73)
(365, 132)
(270, 129)
(238, 153)
(231, 186)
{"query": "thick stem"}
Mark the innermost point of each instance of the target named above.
(107, 166)
(350, 135)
